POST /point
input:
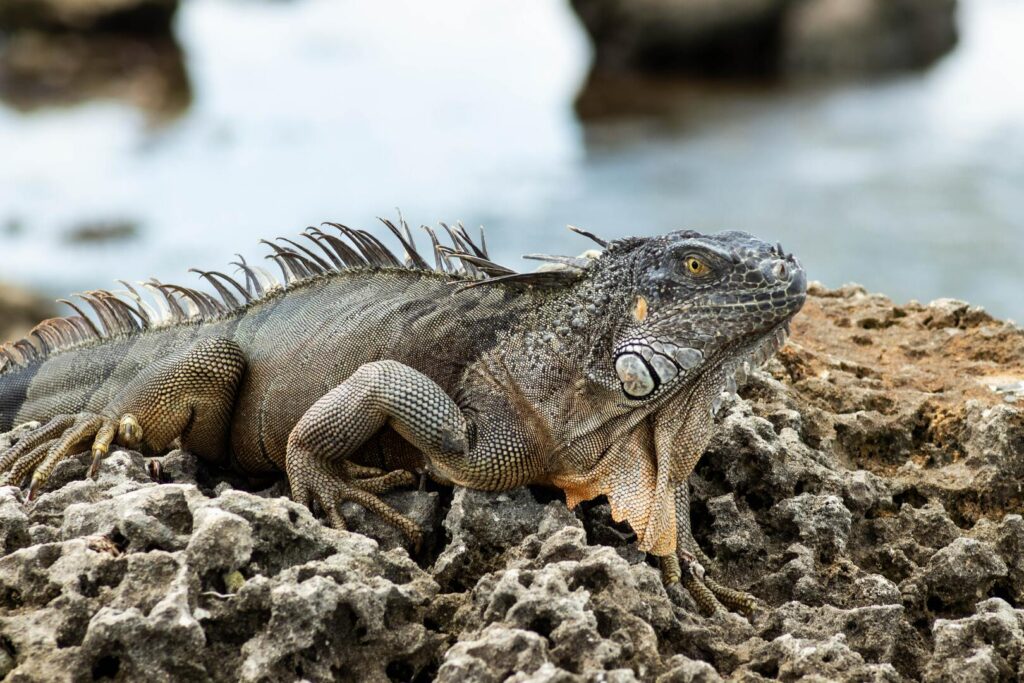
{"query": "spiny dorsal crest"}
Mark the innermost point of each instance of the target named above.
(127, 312)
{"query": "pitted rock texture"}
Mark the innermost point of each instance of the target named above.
(866, 486)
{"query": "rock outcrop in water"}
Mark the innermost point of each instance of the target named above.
(63, 52)
(88, 16)
(768, 37)
(867, 487)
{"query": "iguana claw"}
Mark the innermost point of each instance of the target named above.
(709, 595)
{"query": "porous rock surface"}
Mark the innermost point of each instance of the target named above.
(866, 487)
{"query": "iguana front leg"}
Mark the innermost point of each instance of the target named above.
(680, 438)
(188, 394)
(693, 561)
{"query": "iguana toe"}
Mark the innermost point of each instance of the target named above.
(129, 431)
(735, 600)
(40, 450)
(709, 595)
(706, 600)
(328, 485)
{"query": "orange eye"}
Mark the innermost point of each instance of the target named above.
(696, 267)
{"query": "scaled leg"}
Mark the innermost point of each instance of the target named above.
(378, 394)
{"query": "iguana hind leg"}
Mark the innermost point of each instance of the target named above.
(189, 395)
(378, 394)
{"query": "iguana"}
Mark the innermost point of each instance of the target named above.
(598, 374)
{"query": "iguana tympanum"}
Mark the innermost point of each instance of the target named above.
(597, 374)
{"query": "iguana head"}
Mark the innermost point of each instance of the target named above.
(699, 300)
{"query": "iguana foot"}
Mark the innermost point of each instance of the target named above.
(329, 484)
(40, 450)
(733, 599)
(709, 595)
(188, 394)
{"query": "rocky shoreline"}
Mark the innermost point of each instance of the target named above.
(866, 486)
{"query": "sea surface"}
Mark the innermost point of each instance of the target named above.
(316, 110)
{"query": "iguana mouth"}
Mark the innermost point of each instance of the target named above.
(736, 375)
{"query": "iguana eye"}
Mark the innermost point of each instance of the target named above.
(696, 267)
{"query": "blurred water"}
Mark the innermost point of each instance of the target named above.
(325, 110)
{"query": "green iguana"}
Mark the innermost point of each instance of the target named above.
(598, 374)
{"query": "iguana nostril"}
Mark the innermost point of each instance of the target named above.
(780, 271)
(798, 284)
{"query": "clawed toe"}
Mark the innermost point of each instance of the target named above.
(38, 451)
(351, 470)
(710, 596)
(735, 600)
(328, 486)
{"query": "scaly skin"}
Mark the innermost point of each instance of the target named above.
(599, 376)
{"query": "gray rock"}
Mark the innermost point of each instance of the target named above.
(684, 670)
(179, 466)
(221, 541)
(879, 634)
(7, 439)
(986, 646)
(482, 527)
(734, 532)
(789, 658)
(152, 517)
(963, 571)
(495, 654)
(14, 532)
(822, 522)
(318, 626)
(1008, 538)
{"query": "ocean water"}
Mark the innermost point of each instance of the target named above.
(319, 110)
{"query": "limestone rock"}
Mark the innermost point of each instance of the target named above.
(868, 494)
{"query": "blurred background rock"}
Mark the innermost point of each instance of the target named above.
(881, 140)
(62, 52)
(20, 310)
(783, 38)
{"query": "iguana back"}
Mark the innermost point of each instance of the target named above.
(299, 340)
